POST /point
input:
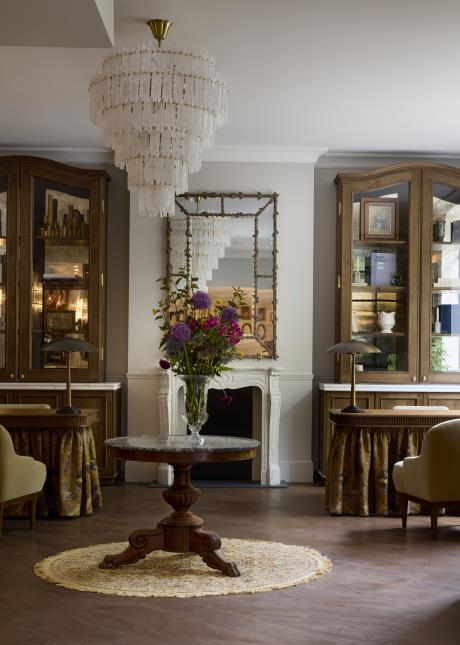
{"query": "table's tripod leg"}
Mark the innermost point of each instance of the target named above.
(141, 542)
(207, 544)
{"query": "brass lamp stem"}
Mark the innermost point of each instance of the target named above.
(68, 386)
(159, 28)
(353, 381)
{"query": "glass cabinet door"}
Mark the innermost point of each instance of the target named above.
(440, 286)
(61, 268)
(8, 269)
(379, 274)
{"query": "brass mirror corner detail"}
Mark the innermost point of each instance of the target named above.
(226, 240)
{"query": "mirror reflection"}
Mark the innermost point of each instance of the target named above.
(226, 240)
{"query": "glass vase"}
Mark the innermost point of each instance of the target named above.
(196, 401)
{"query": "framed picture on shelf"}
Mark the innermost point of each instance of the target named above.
(245, 311)
(60, 320)
(246, 329)
(261, 332)
(379, 218)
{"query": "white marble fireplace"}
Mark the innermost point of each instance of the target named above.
(266, 379)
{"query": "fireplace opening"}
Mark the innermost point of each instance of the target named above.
(239, 419)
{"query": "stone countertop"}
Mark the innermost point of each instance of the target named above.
(181, 443)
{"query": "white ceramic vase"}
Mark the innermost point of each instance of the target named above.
(386, 321)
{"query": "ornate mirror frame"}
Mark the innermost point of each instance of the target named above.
(268, 201)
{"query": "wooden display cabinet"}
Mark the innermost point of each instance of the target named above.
(399, 255)
(52, 267)
(407, 217)
(52, 284)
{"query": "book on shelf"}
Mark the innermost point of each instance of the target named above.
(383, 269)
(449, 316)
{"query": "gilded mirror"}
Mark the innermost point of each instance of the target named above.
(225, 240)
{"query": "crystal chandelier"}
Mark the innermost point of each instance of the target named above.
(158, 109)
(210, 236)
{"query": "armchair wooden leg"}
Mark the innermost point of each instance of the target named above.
(434, 521)
(32, 510)
(404, 509)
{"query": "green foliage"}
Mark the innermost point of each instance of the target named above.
(438, 356)
(392, 362)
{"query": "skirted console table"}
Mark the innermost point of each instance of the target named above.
(363, 450)
(65, 444)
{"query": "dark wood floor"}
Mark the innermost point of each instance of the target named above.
(386, 586)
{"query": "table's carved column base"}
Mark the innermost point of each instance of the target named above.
(141, 542)
(180, 532)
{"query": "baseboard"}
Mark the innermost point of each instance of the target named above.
(297, 472)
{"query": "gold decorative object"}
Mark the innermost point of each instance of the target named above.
(159, 28)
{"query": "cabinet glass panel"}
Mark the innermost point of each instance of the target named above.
(3, 248)
(380, 276)
(445, 269)
(61, 266)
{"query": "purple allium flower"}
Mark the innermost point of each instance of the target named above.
(201, 300)
(164, 364)
(226, 399)
(228, 314)
(180, 332)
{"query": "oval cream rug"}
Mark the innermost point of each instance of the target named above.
(264, 566)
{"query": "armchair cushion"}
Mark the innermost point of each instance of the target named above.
(19, 475)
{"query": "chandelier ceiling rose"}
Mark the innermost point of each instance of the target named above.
(158, 109)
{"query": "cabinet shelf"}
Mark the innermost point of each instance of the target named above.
(379, 242)
(444, 335)
(439, 289)
(378, 333)
(67, 238)
(390, 288)
(63, 284)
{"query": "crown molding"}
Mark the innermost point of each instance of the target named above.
(372, 159)
(264, 154)
(64, 155)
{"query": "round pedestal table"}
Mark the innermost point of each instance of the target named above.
(181, 531)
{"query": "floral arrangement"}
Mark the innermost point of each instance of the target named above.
(199, 338)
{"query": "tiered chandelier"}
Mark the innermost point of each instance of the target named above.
(158, 109)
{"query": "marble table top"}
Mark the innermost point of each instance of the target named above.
(181, 443)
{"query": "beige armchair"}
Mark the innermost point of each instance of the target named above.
(432, 478)
(21, 478)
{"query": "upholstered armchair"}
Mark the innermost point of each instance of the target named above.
(21, 478)
(432, 478)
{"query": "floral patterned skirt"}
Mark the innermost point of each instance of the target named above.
(72, 481)
(360, 465)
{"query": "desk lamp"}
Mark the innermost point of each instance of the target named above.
(68, 344)
(353, 347)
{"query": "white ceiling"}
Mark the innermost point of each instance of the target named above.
(349, 75)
